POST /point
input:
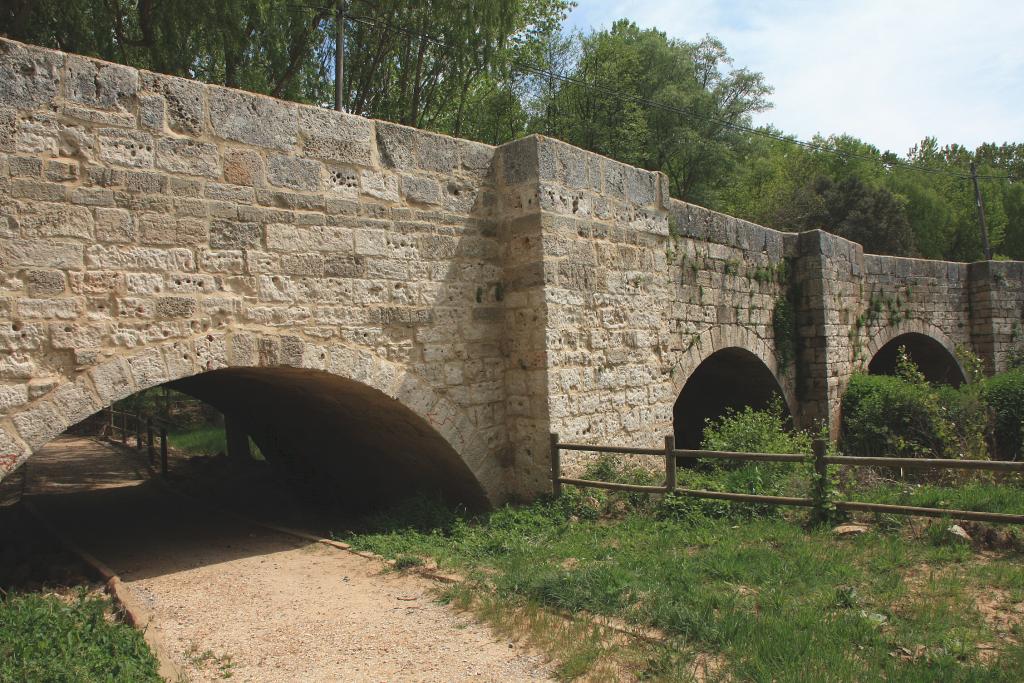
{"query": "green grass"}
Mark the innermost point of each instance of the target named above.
(205, 440)
(44, 638)
(980, 496)
(776, 601)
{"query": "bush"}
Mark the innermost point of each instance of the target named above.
(747, 430)
(755, 431)
(893, 416)
(1004, 394)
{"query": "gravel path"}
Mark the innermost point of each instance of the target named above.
(237, 599)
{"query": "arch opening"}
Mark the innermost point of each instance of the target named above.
(336, 440)
(731, 378)
(933, 359)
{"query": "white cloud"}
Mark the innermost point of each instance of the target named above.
(887, 71)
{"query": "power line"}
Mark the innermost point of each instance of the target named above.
(611, 92)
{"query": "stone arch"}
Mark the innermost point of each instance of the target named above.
(928, 345)
(706, 387)
(37, 422)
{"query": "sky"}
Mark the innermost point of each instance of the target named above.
(887, 71)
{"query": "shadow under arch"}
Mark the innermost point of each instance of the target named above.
(935, 358)
(729, 378)
(384, 430)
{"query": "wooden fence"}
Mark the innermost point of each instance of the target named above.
(819, 459)
(141, 425)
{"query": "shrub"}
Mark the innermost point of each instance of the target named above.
(747, 430)
(1004, 394)
(755, 431)
(894, 416)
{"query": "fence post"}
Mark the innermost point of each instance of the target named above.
(670, 464)
(556, 466)
(138, 431)
(820, 448)
(124, 429)
(150, 447)
(111, 412)
(163, 451)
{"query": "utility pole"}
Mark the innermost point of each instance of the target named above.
(981, 213)
(339, 58)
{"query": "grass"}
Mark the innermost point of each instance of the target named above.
(764, 598)
(978, 495)
(205, 440)
(50, 638)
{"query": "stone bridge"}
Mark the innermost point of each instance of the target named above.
(410, 309)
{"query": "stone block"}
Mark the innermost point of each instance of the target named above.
(343, 182)
(477, 158)
(29, 76)
(39, 423)
(74, 401)
(100, 84)
(41, 309)
(294, 172)
(396, 145)
(175, 307)
(184, 100)
(125, 147)
(38, 191)
(519, 161)
(147, 369)
(437, 153)
(43, 282)
(334, 136)
(232, 235)
(8, 129)
(12, 396)
(139, 258)
(17, 366)
(25, 167)
(303, 264)
(181, 155)
(243, 167)
(345, 266)
(254, 120)
(41, 254)
(114, 225)
(383, 186)
(61, 171)
(152, 112)
(421, 189)
(57, 220)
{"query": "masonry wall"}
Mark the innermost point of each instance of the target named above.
(640, 290)
(142, 212)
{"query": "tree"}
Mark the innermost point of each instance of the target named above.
(286, 49)
(874, 217)
(604, 106)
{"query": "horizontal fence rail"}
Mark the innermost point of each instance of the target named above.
(818, 459)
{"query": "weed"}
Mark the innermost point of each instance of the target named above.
(46, 638)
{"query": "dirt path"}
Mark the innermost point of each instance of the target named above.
(235, 599)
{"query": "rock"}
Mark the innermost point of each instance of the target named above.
(850, 530)
(958, 531)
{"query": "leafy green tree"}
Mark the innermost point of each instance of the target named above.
(871, 216)
(604, 107)
(286, 49)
